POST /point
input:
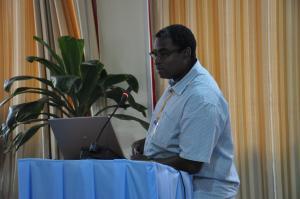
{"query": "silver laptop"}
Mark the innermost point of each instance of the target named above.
(72, 134)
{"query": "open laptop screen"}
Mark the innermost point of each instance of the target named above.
(72, 134)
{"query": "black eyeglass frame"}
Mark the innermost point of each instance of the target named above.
(165, 54)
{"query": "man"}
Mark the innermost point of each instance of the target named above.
(190, 126)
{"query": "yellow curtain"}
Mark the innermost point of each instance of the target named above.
(53, 19)
(252, 48)
(19, 22)
(89, 25)
(6, 162)
(16, 31)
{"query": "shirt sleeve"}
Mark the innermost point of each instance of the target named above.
(199, 131)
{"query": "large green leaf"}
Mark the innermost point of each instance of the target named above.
(136, 105)
(20, 91)
(54, 68)
(113, 79)
(8, 145)
(46, 92)
(125, 106)
(52, 52)
(25, 111)
(58, 101)
(101, 80)
(8, 83)
(28, 134)
(103, 75)
(91, 65)
(96, 95)
(144, 124)
(5, 130)
(74, 87)
(72, 53)
(116, 93)
(90, 73)
(68, 84)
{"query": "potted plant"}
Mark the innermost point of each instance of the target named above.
(73, 87)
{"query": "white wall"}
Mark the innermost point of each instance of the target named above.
(124, 48)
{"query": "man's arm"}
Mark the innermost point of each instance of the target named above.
(179, 163)
(176, 162)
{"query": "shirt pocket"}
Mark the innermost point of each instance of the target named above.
(167, 131)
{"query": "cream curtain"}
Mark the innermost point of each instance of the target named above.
(252, 48)
(87, 18)
(89, 30)
(53, 19)
(16, 31)
(19, 22)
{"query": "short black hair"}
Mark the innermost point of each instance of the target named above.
(180, 35)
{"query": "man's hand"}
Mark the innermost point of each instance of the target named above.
(139, 157)
(175, 161)
(138, 147)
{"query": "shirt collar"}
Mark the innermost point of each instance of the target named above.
(180, 86)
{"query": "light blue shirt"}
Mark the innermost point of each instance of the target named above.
(195, 125)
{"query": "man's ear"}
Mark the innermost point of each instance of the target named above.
(188, 52)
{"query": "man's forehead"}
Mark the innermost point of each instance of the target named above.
(163, 43)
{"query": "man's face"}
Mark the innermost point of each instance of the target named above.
(168, 58)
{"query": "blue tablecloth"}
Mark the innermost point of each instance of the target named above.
(107, 179)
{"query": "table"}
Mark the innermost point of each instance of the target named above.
(107, 179)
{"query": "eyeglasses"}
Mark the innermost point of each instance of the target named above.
(163, 54)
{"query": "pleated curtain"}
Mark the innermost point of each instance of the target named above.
(20, 21)
(16, 31)
(89, 25)
(53, 19)
(252, 48)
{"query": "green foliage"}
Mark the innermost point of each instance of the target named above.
(73, 88)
